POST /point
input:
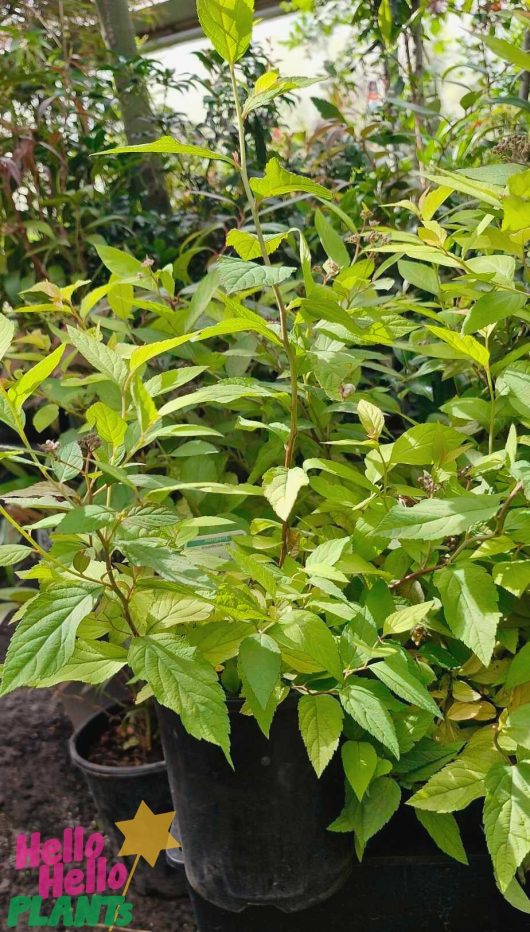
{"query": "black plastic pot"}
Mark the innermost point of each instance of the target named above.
(256, 835)
(117, 793)
(403, 883)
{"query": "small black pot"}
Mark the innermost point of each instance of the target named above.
(256, 835)
(117, 793)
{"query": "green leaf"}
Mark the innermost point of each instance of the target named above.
(385, 20)
(426, 444)
(30, 381)
(168, 146)
(465, 347)
(92, 662)
(507, 818)
(86, 519)
(247, 245)
(396, 673)
(332, 242)
(44, 416)
(371, 418)
(320, 719)
(368, 817)
(517, 726)
(8, 413)
(68, 461)
(269, 86)
(491, 308)
(469, 600)
(14, 553)
(444, 831)
(121, 263)
(519, 669)
(109, 425)
(183, 681)
(435, 518)
(219, 641)
(259, 665)
(7, 332)
(359, 759)
(508, 52)
(281, 487)
(307, 643)
(366, 708)
(405, 619)
(44, 639)
(228, 26)
(463, 780)
(420, 275)
(515, 576)
(237, 275)
(277, 181)
(101, 357)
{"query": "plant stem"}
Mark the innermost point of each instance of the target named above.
(284, 327)
(114, 585)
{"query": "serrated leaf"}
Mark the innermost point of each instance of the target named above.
(444, 831)
(469, 598)
(462, 780)
(92, 662)
(465, 347)
(259, 664)
(236, 275)
(514, 576)
(492, 308)
(277, 181)
(436, 518)
(368, 817)
(85, 519)
(169, 146)
(360, 700)
(359, 759)
(405, 619)
(395, 673)
(68, 461)
(183, 681)
(307, 643)
(219, 641)
(44, 639)
(320, 719)
(507, 818)
(281, 487)
(247, 245)
(371, 418)
(109, 425)
(228, 26)
(269, 86)
(14, 553)
(101, 357)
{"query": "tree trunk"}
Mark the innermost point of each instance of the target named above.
(137, 115)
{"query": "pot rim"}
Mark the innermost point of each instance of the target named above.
(107, 770)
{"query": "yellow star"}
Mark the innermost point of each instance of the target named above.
(147, 834)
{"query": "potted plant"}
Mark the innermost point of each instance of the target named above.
(282, 552)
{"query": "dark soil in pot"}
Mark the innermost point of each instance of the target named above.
(121, 771)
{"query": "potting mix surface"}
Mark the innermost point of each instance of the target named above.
(41, 792)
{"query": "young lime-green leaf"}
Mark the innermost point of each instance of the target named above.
(367, 709)
(320, 719)
(444, 831)
(143, 354)
(7, 332)
(371, 418)
(144, 404)
(436, 518)
(462, 780)
(92, 662)
(359, 759)
(237, 275)
(247, 245)
(507, 818)
(109, 425)
(307, 643)
(281, 487)
(30, 381)
(278, 180)
(44, 416)
(517, 725)
(470, 603)
(269, 86)
(121, 263)
(183, 681)
(368, 817)
(100, 356)
(508, 52)
(14, 553)
(405, 619)
(218, 641)
(228, 26)
(44, 639)
(465, 347)
(514, 576)
(8, 412)
(396, 673)
(169, 146)
(259, 665)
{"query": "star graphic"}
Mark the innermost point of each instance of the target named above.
(147, 834)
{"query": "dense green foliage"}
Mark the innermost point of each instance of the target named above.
(357, 428)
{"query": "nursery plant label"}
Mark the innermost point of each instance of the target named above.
(215, 544)
(77, 886)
